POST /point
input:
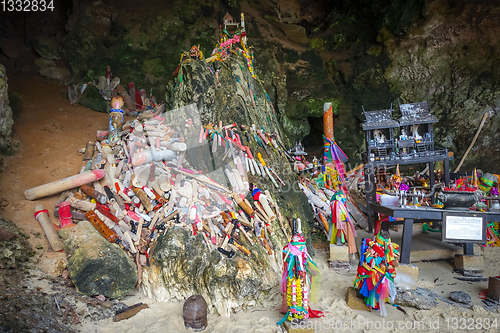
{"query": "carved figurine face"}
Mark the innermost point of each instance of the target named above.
(194, 52)
(195, 313)
(117, 102)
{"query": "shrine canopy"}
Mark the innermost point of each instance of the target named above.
(416, 113)
(379, 119)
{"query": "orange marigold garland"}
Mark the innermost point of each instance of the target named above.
(300, 279)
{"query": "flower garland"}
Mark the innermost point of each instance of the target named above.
(300, 280)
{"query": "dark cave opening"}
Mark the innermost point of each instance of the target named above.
(313, 142)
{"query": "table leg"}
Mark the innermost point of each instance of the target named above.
(406, 241)
(447, 172)
(369, 174)
(385, 226)
(431, 174)
(431, 179)
(469, 249)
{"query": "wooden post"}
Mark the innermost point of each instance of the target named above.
(48, 228)
(61, 185)
(328, 126)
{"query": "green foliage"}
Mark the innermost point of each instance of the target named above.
(316, 43)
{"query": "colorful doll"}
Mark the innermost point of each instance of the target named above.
(115, 119)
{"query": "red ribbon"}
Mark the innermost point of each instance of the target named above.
(40, 211)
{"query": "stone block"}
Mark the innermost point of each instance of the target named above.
(354, 302)
(406, 276)
(494, 289)
(469, 265)
(298, 328)
(339, 253)
(339, 266)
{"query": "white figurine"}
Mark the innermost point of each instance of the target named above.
(379, 136)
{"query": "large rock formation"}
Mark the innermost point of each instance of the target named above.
(182, 265)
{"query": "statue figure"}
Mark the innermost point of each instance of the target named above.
(379, 136)
(414, 132)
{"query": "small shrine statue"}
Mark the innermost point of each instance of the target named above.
(414, 131)
(315, 162)
(379, 136)
(195, 53)
(403, 135)
(300, 282)
(115, 119)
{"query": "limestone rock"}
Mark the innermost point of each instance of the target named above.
(5, 112)
(182, 265)
(59, 74)
(40, 63)
(14, 248)
(420, 298)
(96, 266)
(92, 99)
(460, 297)
(47, 47)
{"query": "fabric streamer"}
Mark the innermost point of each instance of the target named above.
(376, 273)
(334, 154)
(300, 281)
(341, 224)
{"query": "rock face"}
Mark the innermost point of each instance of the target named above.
(5, 112)
(22, 307)
(14, 247)
(444, 60)
(182, 265)
(96, 266)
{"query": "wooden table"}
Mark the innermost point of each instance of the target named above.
(423, 214)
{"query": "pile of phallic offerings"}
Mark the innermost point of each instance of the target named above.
(144, 185)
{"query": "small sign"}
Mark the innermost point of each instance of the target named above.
(464, 228)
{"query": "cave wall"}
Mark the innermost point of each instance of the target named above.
(354, 53)
(452, 57)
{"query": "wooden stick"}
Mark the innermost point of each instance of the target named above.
(130, 312)
(139, 231)
(64, 184)
(48, 228)
(355, 169)
(473, 142)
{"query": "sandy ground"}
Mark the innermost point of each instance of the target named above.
(50, 132)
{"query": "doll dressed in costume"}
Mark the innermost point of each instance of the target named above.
(115, 119)
(300, 282)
